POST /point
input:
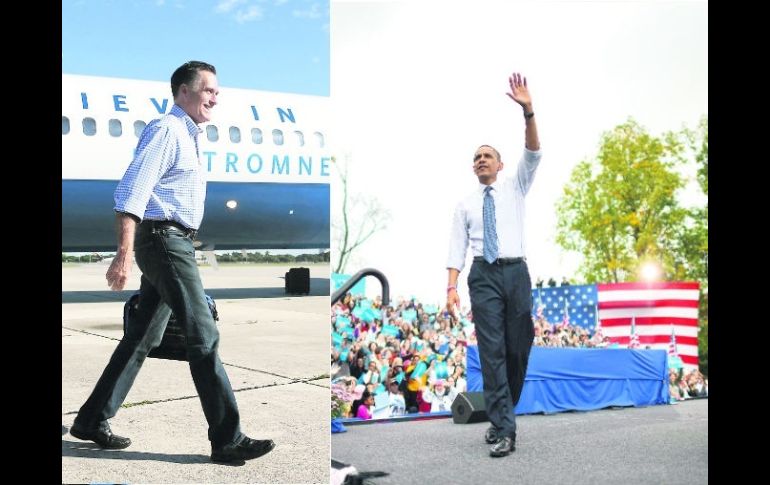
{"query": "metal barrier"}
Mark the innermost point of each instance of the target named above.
(337, 296)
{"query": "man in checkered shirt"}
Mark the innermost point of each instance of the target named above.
(159, 207)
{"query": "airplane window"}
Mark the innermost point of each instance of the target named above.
(89, 126)
(256, 136)
(139, 127)
(300, 137)
(235, 134)
(116, 129)
(65, 125)
(212, 133)
(320, 137)
(278, 137)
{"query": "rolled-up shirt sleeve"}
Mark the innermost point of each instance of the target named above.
(458, 240)
(155, 154)
(525, 172)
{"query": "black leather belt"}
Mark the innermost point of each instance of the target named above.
(499, 261)
(191, 233)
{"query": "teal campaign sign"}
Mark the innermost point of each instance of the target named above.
(390, 330)
(419, 370)
(336, 338)
(339, 279)
(369, 315)
(433, 309)
(342, 323)
(409, 315)
(441, 371)
(364, 311)
(675, 362)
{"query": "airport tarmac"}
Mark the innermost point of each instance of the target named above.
(275, 350)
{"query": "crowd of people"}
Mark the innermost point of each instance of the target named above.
(413, 353)
(409, 357)
(686, 384)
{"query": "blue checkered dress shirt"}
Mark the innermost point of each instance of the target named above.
(166, 180)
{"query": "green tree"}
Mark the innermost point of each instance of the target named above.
(692, 251)
(698, 143)
(620, 210)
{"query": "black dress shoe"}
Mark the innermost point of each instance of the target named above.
(491, 435)
(504, 446)
(247, 449)
(102, 436)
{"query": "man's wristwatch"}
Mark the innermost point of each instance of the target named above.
(529, 115)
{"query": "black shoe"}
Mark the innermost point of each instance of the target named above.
(102, 436)
(504, 446)
(491, 435)
(247, 449)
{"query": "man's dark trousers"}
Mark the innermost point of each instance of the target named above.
(170, 281)
(501, 302)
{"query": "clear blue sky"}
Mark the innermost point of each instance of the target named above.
(272, 45)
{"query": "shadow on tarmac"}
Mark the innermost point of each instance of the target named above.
(86, 449)
(318, 287)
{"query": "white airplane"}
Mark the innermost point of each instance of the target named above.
(265, 153)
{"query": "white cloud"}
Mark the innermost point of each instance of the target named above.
(252, 12)
(225, 6)
(241, 10)
(313, 12)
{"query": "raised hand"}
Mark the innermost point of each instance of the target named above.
(519, 91)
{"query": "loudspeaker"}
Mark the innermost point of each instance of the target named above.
(297, 281)
(468, 407)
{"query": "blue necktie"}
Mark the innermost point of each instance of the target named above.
(490, 231)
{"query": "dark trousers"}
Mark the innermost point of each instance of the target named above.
(501, 302)
(170, 281)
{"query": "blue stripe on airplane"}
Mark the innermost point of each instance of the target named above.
(268, 216)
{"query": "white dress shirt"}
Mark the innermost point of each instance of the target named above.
(165, 181)
(508, 193)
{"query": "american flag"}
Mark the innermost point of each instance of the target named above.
(660, 312)
(672, 351)
(579, 302)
